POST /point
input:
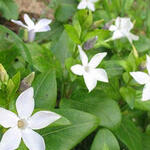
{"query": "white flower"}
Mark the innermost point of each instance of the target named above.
(143, 79)
(87, 4)
(90, 73)
(41, 26)
(22, 126)
(122, 29)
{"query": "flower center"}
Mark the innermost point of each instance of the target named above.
(86, 68)
(22, 124)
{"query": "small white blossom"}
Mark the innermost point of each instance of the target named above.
(122, 29)
(90, 73)
(87, 4)
(22, 126)
(143, 79)
(41, 26)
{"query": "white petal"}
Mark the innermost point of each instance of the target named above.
(77, 69)
(44, 29)
(11, 139)
(100, 75)
(28, 21)
(43, 25)
(96, 59)
(146, 92)
(112, 28)
(33, 140)
(42, 119)
(25, 103)
(118, 22)
(90, 81)
(148, 64)
(93, 1)
(126, 24)
(19, 23)
(82, 4)
(132, 37)
(7, 118)
(91, 6)
(117, 35)
(83, 56)
(140, 77)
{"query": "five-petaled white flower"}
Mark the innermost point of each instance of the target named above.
(20, 127)
(90, 73)
(41, 26)
(122, 29)
(87, 4)
(143, 79)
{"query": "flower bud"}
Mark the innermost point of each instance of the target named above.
(3, 74)
(26, 82)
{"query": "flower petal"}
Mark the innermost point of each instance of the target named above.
(132, 37)
(112, 28)
(90, 81)
(126, 24)
(96, 59)
(11, 139)
(19, 23)
(42, 119)
(146, 92)
(7, 118)
(117, 35)
(42, 25)
(25, 103)
(82, 4)
(44, 29)
(148, 64)
(77, 69)
(83, 56)
(100, 75)
(118, 22)
(91, 6)
(140, 77)
(28, 21)
(33, 140)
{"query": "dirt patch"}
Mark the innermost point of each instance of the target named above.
(37, 8)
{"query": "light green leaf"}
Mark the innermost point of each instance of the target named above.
(72, 33)
(105, 140)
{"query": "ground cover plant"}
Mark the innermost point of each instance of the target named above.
(80, 81)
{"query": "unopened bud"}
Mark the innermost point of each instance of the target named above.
(90, 43)
(3, 74)
(27, 82)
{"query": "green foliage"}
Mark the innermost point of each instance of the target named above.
(9, 9)
(105, 140)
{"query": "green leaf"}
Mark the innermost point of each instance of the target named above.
(105, 138)
(129, 95)
(72, 33)
(45, 87)
(63, 48)
(145, 140)
(9, 9)
(18, 43)
(129, 135)
(42, 57)
(65, 9)
(66, 137)
(97, 104)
